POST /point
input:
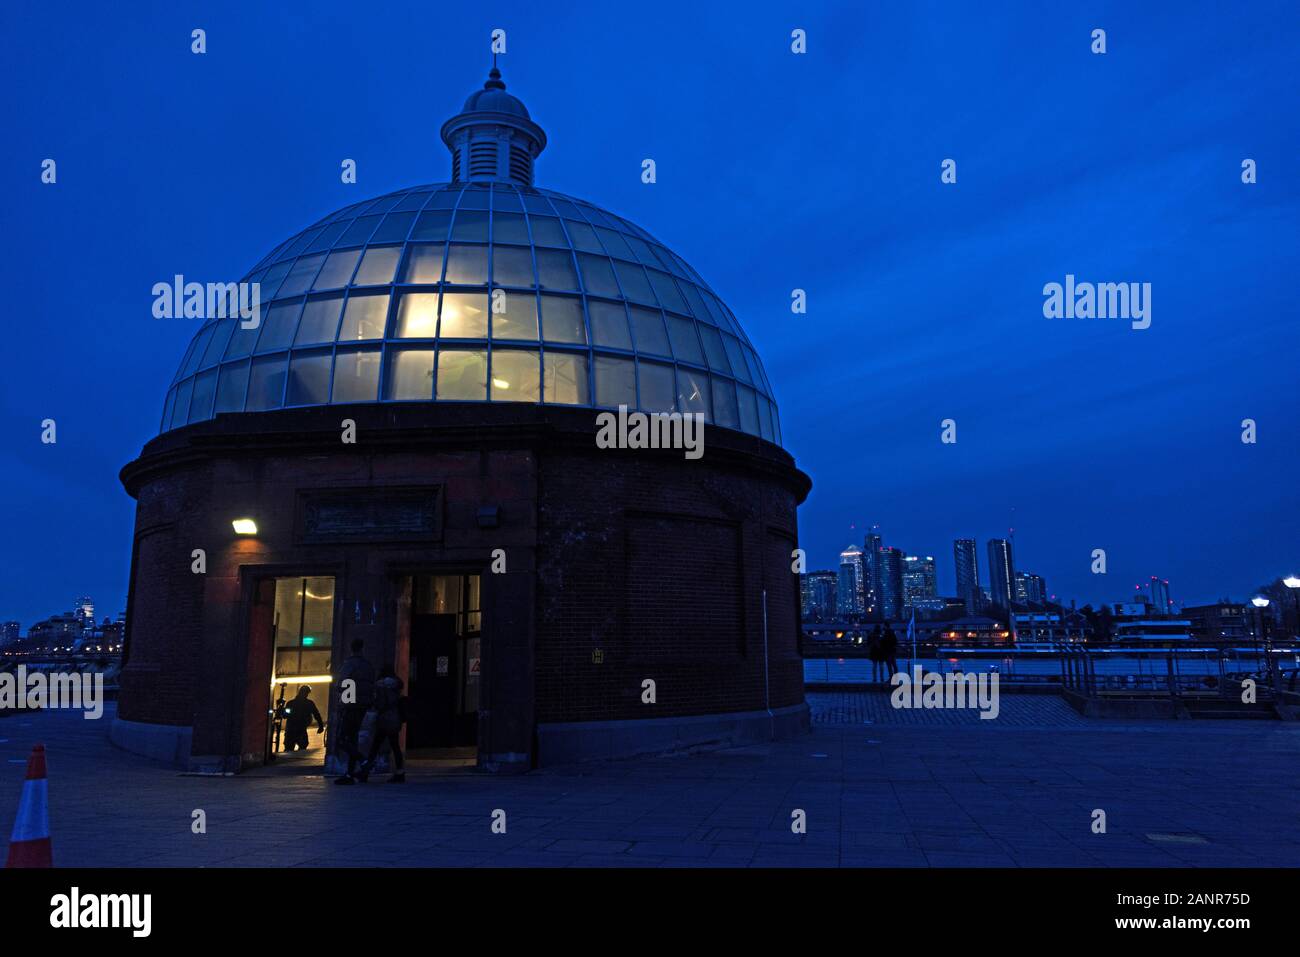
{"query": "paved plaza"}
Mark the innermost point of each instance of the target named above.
(878, 788)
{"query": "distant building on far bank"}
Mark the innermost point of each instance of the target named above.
(84, 608)
(61, 631)
(919, 584)
(818, 592)
(872, 591)
(1157, 595)
(850, 590)
(1226, 621)
(10, 631)
(966, 560)
(1030, 589)
(891, 582)
(1049, 624)
(1002, 573)
(978, 630)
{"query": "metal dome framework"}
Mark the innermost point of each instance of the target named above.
(486, 289)
(392, 300)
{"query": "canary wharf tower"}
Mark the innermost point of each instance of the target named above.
(401, 452)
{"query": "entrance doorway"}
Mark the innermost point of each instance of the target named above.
(444, 667)
(302, 665)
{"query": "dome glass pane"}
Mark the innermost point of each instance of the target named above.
(477, 293)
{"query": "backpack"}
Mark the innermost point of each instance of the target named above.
(387, 697)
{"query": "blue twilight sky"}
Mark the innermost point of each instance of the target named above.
(776, 171)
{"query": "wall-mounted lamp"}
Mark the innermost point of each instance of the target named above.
(244, 526)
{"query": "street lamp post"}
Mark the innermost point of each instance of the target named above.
(1293, 584)
(1260, 603)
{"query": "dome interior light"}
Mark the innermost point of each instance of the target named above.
(244, 526)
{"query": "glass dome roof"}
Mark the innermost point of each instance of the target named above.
(477, 292)
(486, 289)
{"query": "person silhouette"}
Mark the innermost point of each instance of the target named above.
(357, 678)
(874, 654)
(389, 717)
(298, 714)
(889, 652)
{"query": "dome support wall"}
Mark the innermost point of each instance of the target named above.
(621, 565)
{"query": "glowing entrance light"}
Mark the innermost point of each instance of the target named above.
(301, 679)
(244, 526)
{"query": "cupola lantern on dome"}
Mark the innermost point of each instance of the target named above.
(493, 139)
(394, 299)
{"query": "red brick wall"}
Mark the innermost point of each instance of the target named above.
(656, 561)
(166, 603)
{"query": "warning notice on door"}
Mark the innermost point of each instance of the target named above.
(442, 664)
(473, 666)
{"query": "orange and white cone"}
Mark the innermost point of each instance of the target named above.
(30, 844)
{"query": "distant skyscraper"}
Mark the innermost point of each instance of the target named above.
(849, 596)
(919, 584)
(1030, 588)
(966, 559)
(871, 567)
(1158, 595)
(891, 582)
(85, 610)
(1002, 572)
(10, 631)
(819, 594)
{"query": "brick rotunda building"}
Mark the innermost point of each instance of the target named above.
(403, 451)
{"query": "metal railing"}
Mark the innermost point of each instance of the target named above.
(1090, 671)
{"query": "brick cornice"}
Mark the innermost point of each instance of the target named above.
(396, 428)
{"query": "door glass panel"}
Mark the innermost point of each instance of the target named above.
(304, 626)
(302, 666)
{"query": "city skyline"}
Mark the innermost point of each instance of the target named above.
(945, 574)
(948, 585)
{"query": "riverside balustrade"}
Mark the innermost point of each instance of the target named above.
(1084, 670)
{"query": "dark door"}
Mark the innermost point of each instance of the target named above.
(261, 641)
(434, 682)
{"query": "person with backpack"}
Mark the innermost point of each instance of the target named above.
(389, 710)
(355, 698)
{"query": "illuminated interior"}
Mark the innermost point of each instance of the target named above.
(304, 629)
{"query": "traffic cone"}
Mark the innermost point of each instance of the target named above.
(30, 844)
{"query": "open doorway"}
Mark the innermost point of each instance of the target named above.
(302, 664)
(444, 668)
